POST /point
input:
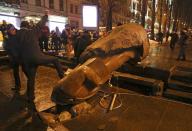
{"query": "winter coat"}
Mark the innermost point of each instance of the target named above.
(28, 40)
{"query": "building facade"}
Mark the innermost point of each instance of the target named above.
(61, 12)
(33, 9)
(74, 12)
(10, 12)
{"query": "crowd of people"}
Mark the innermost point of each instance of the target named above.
(179, 38)
(22, 47)
(25, 48)
(69, 40)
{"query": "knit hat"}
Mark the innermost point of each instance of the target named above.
(10, 27)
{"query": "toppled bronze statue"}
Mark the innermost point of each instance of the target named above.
(125, 43)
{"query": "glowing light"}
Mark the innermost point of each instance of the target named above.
(57, 18)
(90, 16)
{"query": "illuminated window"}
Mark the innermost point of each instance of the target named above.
(24, 1)
(90, 16)
(76, 9)
(71, 8)
(51, 4)
(61, 5)
(38, 2)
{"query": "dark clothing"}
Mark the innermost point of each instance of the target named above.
(31, 55)
(43, 40)
(64, 37)
(43, 43)
(11, 47)
(56, 41)
(29, 42)
(82, 44)
(174, 38)
(160, 35)
(15, 66)
(95, 36)
(182, 43)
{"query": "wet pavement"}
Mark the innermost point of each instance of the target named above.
(162, 57)
(137, 112)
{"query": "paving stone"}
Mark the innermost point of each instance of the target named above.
(63, 116)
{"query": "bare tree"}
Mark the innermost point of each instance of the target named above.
(109, 6)
(161, 13)
(153, 20)
(143, 12)
(169, 18)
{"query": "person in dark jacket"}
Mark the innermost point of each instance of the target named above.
(160, 35)
(83, 41)
(11, 47)
(43, 40)
(56, 41)
(183, 45)
(31, 55)
(174, 38)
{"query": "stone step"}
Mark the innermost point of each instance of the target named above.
(180, 86)
(182, 68)
(178, 95)
(150, 72)
(183, 76)
(3, 53)
(149, 85)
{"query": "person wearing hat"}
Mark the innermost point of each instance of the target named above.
(11, 47)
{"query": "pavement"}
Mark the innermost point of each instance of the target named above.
(138, 112)
(162, 57)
